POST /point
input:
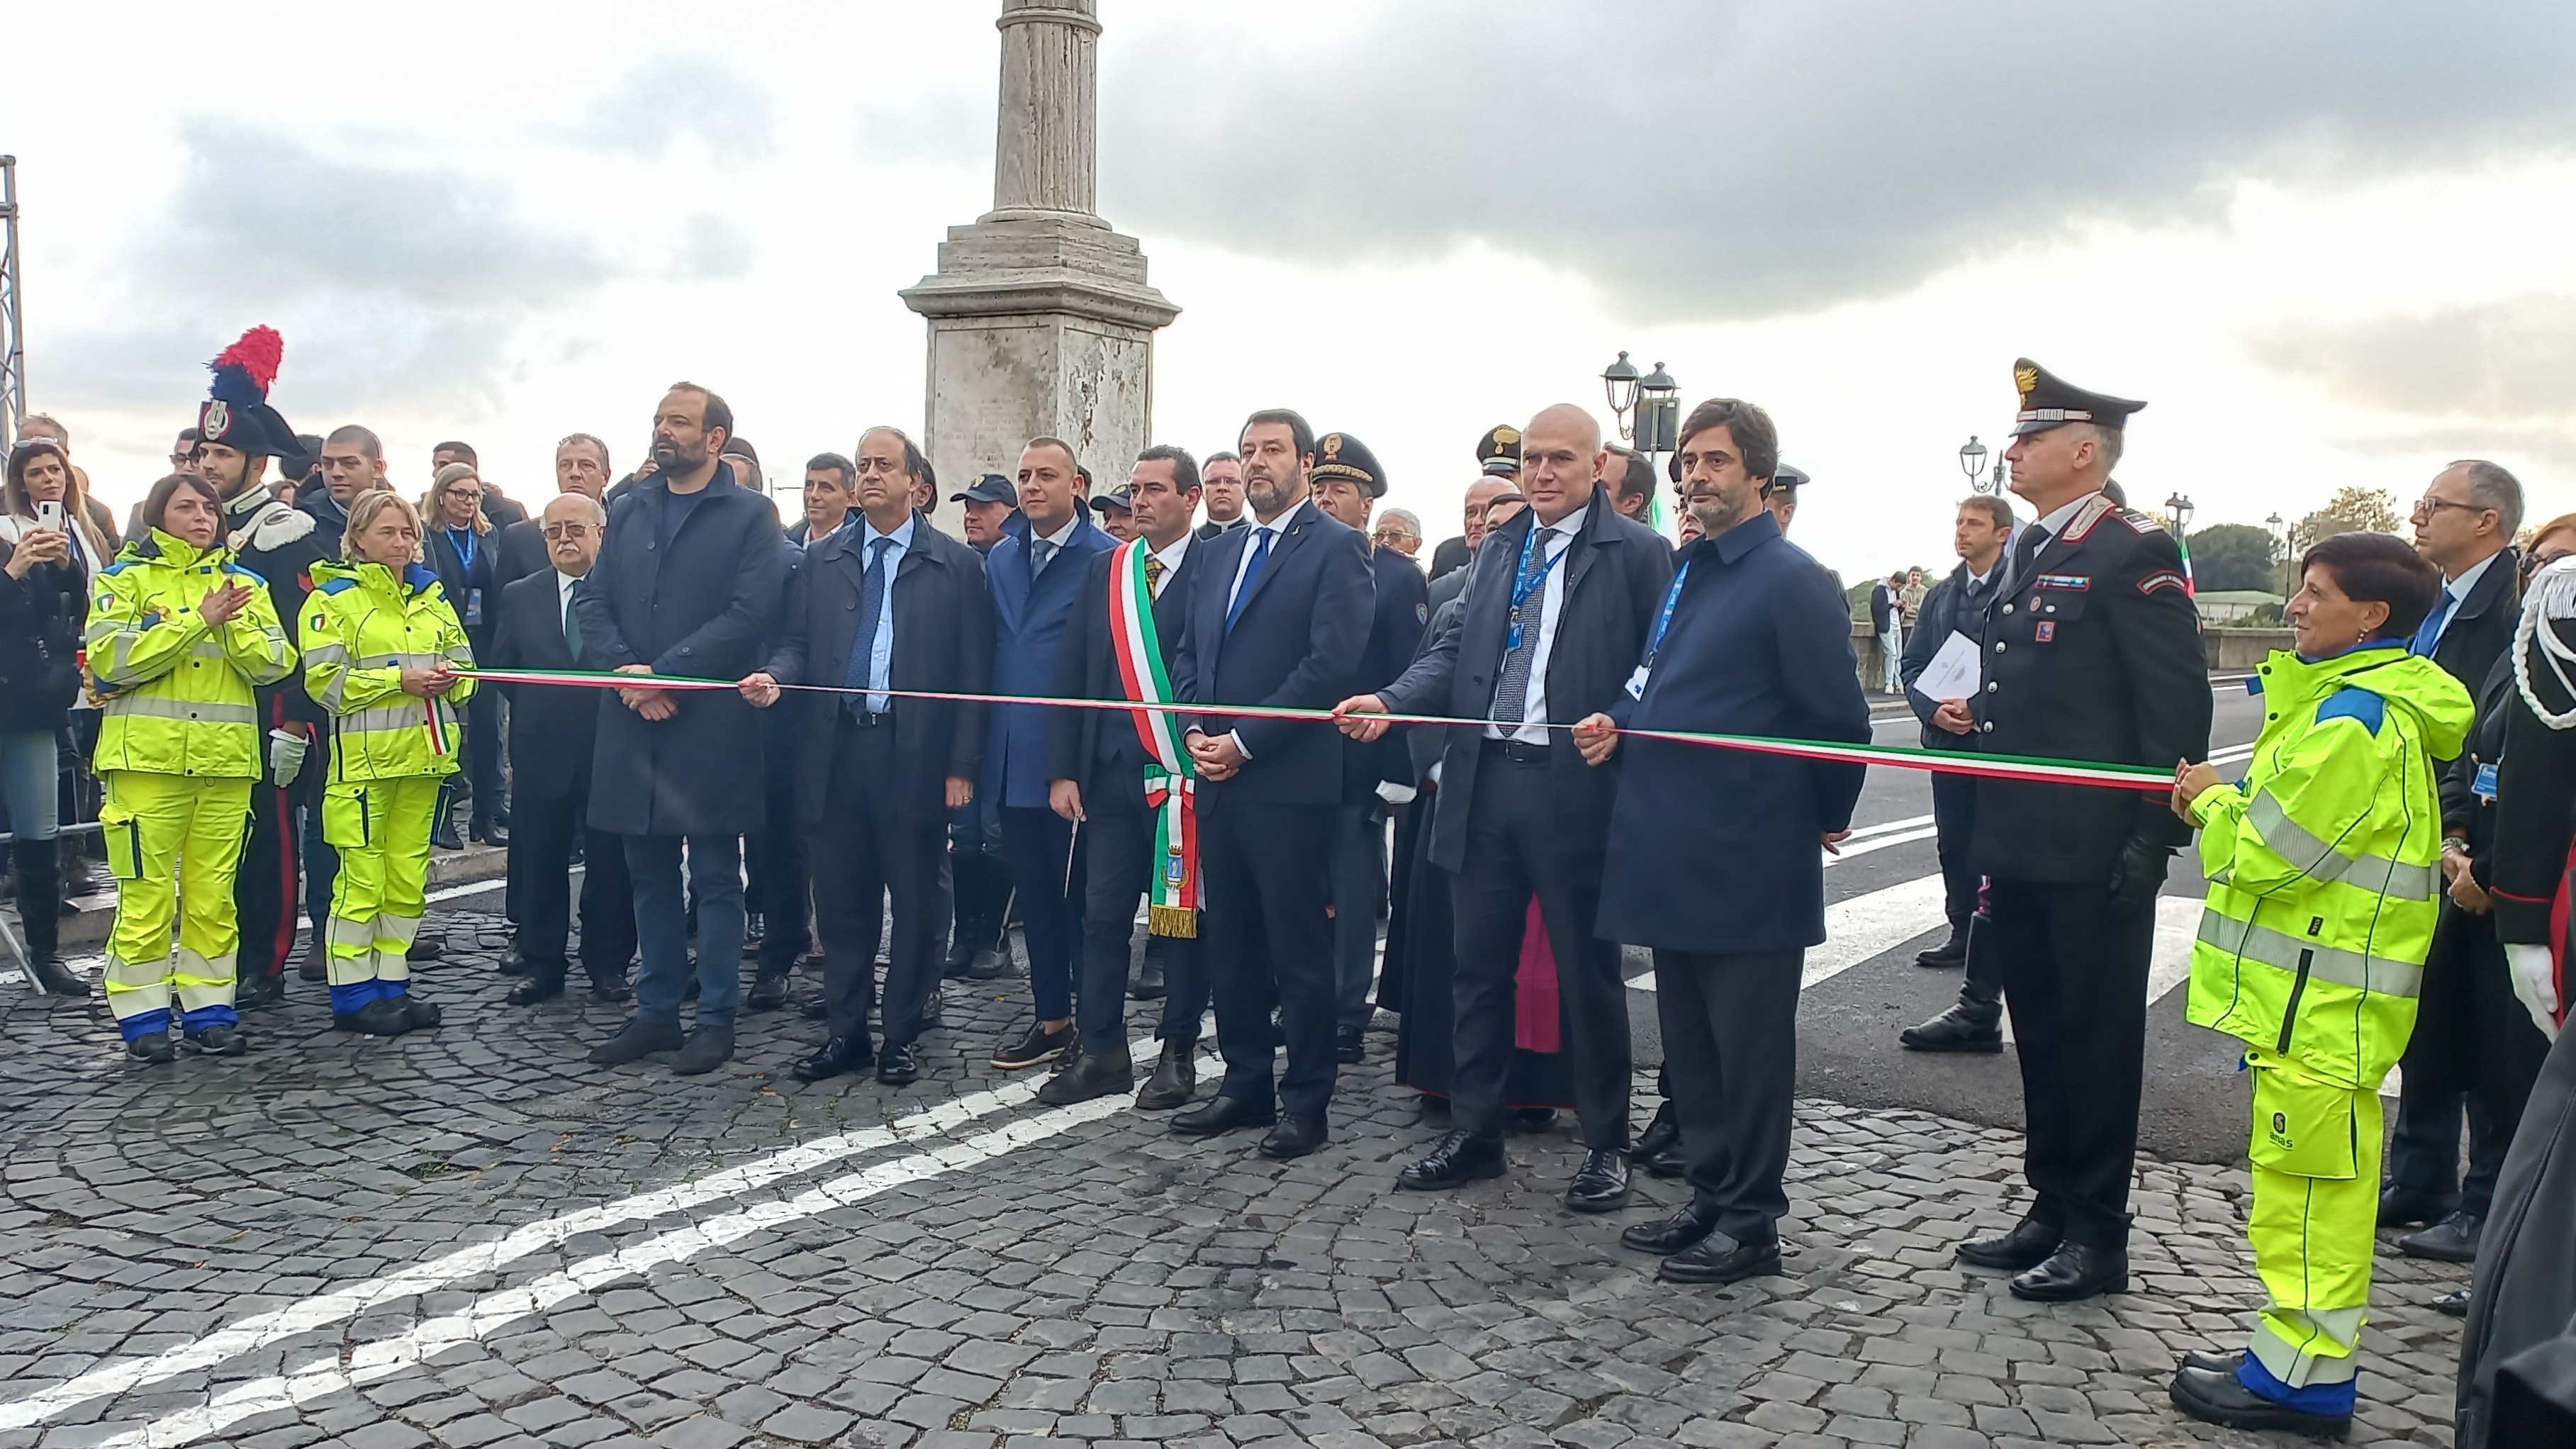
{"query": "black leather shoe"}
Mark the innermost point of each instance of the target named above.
(2407, 1207)
(1667, 1165)
(2216, 1363)
(1955, 1030)
(1948, 956)
(419, 1015)
(154, 1049)
(1036, 1046)
(2222, 1398)
(2026, 1246)
(316, 965)
(383, 1016)
(1531, 1119)
(610, 988)
(1600, 1184)
(1685, 1228)
(512, 963)
(1350, 1044)
(1663, 1133)
(427, 946)
(2452, 1240)
(442, 836)
(2072, 1274)
(1224, 1114)
(258, 991)
(217, 1041)
(1175, 1079)
(1718, 1258)
(839, 1054)
(534, 990)
(1089, 1075)
(1296, 1135)
(708, 1048)
(638, 1038)
(895, 1066)
(2454, 1304)
(58, 979)
(1459, 1158)
(768, 991)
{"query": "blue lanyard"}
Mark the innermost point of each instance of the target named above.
(1664, 620)
(464, 546)
(1525, 583)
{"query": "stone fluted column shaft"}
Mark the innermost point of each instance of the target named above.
(1044, 141)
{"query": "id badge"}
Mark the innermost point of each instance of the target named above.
(2485, 786)
(1637, 683)
(473, 608)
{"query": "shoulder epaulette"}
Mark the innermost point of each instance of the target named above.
(2087, 516)
(2140, 522)
(2354, 703)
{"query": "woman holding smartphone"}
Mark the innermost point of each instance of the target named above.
(43, 604)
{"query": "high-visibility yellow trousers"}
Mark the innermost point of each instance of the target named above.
(381, 830)
(174, 843)
(2315, 1151)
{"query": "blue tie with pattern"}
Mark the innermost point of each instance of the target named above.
(863, 649)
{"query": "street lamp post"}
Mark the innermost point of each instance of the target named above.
(1972, 461)
(2280, 533)
(1659, 413)
(2178, 508)
(1619, 380)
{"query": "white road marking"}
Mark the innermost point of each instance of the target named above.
(382, 1358)
(342, 1304)
(1863, 927)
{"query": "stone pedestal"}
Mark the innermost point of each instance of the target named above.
(1041, 321)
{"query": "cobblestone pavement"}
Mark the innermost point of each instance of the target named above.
(471, 1238)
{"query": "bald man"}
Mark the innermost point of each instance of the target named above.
(1560, 601)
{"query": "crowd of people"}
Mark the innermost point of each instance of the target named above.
(859, 747)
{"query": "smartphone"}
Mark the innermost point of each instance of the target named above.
(50, 515)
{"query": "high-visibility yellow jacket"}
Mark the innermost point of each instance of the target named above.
(2324, 867)
(362, 627)
(177, 690)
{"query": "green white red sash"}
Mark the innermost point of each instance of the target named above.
(1171, 781)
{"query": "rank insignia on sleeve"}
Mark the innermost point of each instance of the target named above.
(2046, 630)
(2163, 579)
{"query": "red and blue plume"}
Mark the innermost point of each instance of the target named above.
(244, 370)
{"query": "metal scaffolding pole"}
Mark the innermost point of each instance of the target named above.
(13, 337)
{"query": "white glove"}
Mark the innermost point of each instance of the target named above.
(1395, 794)
(285, 757)
(2535, 985)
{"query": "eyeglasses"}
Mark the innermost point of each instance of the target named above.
(2428, 505)
(567, 530)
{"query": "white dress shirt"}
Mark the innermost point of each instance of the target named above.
(1556, 539)
(1277, 528)
(2455, 590)
(1055, 542)
(1171, 560)
(563, 594)
(881, 648)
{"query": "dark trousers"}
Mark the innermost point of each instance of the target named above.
(1730, 1024)
(662, 924)
(1516, 848)
(1046, 868)
(2075, 976)
(1119, 863)
(483, 754)
(266, 892)
(1359, 888)
(868, 846)
(2474, 1047)
(541, 835)
(1269, 942)
(1954, 820)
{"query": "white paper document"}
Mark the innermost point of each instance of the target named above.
(1952, 674)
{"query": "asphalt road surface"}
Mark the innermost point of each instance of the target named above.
(1883, 904)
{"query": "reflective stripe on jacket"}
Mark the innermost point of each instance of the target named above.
(362, 628)
(177, 691)
(2324, 867)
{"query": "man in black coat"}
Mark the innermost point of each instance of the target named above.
(1558, 607)
(1750, 638)
(553, 729)
(887, 603)
(1957, 605)
(1277, 617)
(689, 583)
(2464, 525)
(1348, 482)
(1096, 767)
(2092, 652)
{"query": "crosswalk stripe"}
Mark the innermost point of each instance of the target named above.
(1863, 927)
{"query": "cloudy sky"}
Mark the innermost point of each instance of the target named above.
(2327, 239)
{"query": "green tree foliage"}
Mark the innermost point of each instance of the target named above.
(2236, 556)
(2353, 509)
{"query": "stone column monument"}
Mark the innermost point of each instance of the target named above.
(1041, 322)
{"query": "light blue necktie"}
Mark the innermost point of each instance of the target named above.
(1251, 576)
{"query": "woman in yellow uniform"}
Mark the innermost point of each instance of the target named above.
(178, 635)
(380, 649)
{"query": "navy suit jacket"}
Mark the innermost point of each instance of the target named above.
(1296, 642)
(1759, 644)
(1029, 616)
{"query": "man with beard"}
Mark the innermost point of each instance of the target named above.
(277, 541)
(1277, 617)
(690, 582)
(1750, 638)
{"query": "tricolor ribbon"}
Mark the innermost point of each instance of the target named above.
(2031, 768)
